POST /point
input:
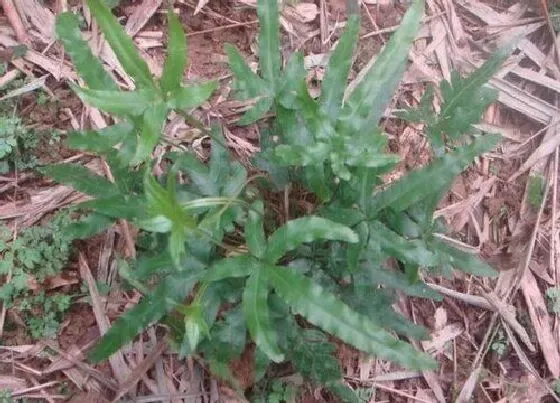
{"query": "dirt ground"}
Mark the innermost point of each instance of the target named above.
(497, 340)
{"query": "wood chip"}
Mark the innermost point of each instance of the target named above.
(11, 383)
(117, 362)
(141, 15)
(521, 101)
(40, 17)
(549, 144)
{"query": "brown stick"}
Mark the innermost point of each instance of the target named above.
(15, 21)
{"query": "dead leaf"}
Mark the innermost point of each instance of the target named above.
(12, 383)
(201, 3)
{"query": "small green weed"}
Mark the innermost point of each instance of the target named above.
(535, 192)
(35, 254)
(43, 314)
(216, 296)
(6, 396)
(553, 294)
(500, 343)
(17, 144)
(555, 385)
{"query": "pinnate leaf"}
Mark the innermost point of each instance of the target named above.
(340, 61)
(254, 231)
(163, 299)
(87, 65)
(80, 178)
(463, 261)
(176, 60)
(235, 266)
(122, 44)
(302, 230)
(88, 226)
(269, 41)
(191, 96)
(411, 251)
(100, 141)
(261, 107)
(247, 83)
(255, 307)
(119, 103)
(330, 314)
(413, 187)
(367, 102)
(153, 120)
(464, 100)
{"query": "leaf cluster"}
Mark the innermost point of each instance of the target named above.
(17, 144)
(142, 112)
(34, 255)
(212, 265)
(43, 313)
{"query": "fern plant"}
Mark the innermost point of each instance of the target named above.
(143, 111)
(212, 266)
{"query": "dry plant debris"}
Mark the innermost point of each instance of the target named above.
(487, 209)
